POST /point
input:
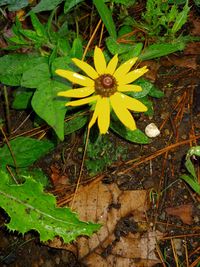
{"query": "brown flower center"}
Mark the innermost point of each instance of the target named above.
(105, 85)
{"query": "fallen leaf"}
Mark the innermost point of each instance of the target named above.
(153, 67)
(184, 212)
(108, 205)
(184, 61)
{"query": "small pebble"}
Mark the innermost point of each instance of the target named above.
(152, 130)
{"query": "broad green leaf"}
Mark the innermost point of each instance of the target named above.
(32, 78)
(26, 151)
(12, 66)
(159, 50)
(63, 46)
(75, 123)
(192, 182)
(181, 19)
(154, 92)
(37, 25)
(116, 48)
(45, 5)
(69, 4)
(136, 136)
(30, 208)
(22, 98)
(77, 49)
(36, 173)
(146, 88)
(64, 63)
(106, 17)
(49, 107)
(149, 104)
(134, 52)
(14, 5)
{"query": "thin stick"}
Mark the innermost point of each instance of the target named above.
(91, 39)
(11, 152)
(81, 169)
(174, 252)
(186, 253)
(160, 255)
(7, 109)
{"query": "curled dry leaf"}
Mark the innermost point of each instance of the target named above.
(107, 204)
(184, 212)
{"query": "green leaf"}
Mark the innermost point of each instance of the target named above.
(64, 63)
(148, 103)
(45, 5)
(146, 88)
(36, 173)
(134, 52)
(75, 123)
(30, 208)
(101, 152)
(77, 49)
(181, 19)
(32, 78)
(126, 3)
(14, 5)
(154, 92)
(12, 66)
(106, 17)
(136, 136)
(192, 182)
(195, 150)
(32, 35)
(116, 48)
(22, 98)
(26, 151)
(63, 46)
(159, 50)
(190, 168)
(69, 4)
(37, 25)
(48, 107)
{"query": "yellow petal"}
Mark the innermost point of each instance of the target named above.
(125, 67)
(122, 113)
(112, 65)
(132, 76)
(131, 103)
(129, 88)
(75, 77)
(104, 115)
(86, 68)
(82, 101)
(99, 61)
(95, 114)
(78, 92)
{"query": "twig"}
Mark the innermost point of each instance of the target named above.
(174, 252)
(7, 109)
(81, 169)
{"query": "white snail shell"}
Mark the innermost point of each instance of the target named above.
(152, 130)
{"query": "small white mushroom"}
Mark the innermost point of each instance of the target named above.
(152, 130)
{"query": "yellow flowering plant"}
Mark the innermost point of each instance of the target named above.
(105, 89)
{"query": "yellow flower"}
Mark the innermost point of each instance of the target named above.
(104, 86)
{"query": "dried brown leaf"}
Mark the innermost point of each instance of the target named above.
(107, 204)
(184, 212)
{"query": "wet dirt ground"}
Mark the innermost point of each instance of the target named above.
(173, 208)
